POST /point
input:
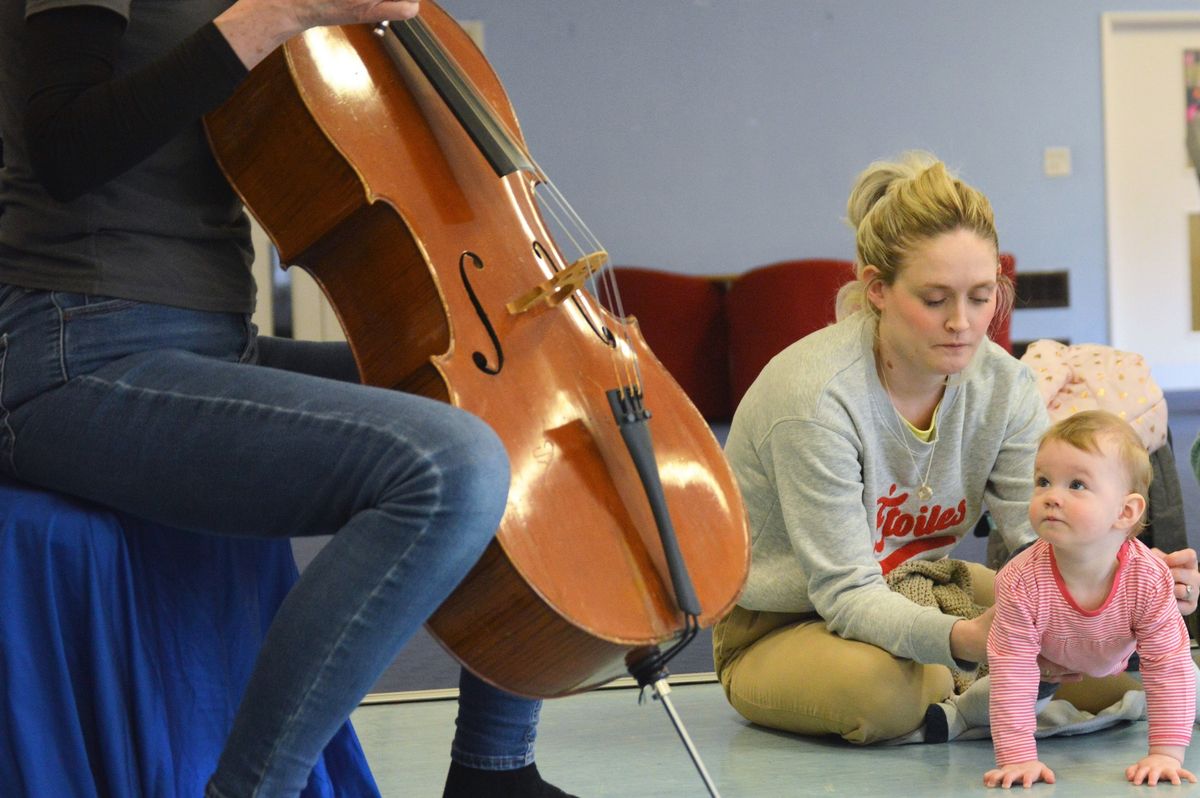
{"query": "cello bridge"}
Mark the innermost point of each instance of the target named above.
(564, 283)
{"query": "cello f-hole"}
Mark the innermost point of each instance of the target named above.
(480, 359)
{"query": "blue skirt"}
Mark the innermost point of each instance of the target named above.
(124, 650)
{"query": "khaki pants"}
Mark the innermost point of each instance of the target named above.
(787, 671)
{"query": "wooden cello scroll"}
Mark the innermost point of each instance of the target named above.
(421, 229)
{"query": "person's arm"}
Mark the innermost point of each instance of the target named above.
(1186, 577)
(1183, 563)
(968, 638)
(819, 481)
(83, 126)
(1013, 648)
(1168, 674)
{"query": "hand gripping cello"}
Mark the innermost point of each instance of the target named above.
(387, 163)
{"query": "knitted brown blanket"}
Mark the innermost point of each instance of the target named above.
(945, 584)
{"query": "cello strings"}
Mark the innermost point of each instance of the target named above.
(465, 89)
(572, 226)
(603, 284)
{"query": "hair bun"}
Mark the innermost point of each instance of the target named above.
(873, 183)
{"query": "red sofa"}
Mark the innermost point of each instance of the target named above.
(714, 334)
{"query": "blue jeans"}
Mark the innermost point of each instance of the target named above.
(494, 730)
(188, 419)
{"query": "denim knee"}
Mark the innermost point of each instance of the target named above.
(464, 476)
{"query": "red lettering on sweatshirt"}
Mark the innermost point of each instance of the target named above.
(892, 522)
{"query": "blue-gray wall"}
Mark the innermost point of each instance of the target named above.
(713, 136)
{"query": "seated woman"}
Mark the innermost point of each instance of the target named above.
(131, 376)
(876, 441)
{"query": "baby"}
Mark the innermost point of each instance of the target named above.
(1083, 597)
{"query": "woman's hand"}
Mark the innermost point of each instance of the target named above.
(968, 639)
(1187, 579)
(254, 28)
(316, 13)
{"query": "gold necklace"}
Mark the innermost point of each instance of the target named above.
(924, 492)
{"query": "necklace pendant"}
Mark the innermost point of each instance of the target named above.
(925, 493)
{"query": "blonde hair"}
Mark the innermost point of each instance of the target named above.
(1084, 430)
(896, 205)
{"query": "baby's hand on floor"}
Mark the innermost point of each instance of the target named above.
(1024, 773)
(1152, 768)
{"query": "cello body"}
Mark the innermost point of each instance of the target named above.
(361, 175)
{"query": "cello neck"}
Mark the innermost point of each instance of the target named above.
(495, 143)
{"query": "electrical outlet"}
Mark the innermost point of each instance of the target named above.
(1056, 161)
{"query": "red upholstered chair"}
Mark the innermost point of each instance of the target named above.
(1001, 330)
(715, 334)
(682, 319)
(771, 306)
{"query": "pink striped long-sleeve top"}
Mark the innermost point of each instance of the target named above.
(1040, 633)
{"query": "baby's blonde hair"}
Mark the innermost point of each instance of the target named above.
(896, 205)
(1084, 430)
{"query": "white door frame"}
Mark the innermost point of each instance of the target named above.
(1150, 190)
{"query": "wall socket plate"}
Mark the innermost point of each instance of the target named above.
(1056, 161)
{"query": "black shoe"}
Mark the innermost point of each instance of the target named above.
(526, 782)
(937, 727)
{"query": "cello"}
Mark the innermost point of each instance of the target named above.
(388, 163)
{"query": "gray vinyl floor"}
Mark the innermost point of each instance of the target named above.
(605, 744)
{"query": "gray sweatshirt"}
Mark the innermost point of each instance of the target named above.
(831, 490)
